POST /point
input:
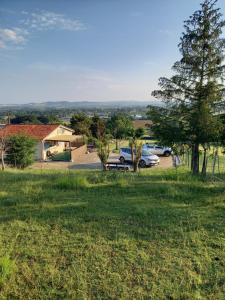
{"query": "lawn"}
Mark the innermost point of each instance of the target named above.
(63, 156)
(93, 235)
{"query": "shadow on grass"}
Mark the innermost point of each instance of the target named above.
(142, 206)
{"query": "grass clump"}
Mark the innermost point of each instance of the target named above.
(71, 182)
(7, 268)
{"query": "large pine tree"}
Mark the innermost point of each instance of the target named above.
(192, 94)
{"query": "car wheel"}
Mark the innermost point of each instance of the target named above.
(167, 153)
(142, 164)
(122, 160)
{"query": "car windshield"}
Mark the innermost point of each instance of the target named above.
(146, 153)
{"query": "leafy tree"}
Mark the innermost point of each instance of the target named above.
(103, 150)
(191, 95)
(138, 153)
(135, 146)
(20, 151)
(119, 126)
(98, 128)
(80, 123)
(168, 126)
(139, 132)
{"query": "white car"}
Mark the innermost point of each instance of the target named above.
(147, 158)
(158, 150)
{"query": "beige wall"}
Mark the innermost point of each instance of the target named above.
(77, 152)
(59, 131)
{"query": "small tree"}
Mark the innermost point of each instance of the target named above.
(103, 150)
(135, 134)
(138, 153)
(119, 126)
(20, 151)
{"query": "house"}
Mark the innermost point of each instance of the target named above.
(51, 139)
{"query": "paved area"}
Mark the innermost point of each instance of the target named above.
(90, 161)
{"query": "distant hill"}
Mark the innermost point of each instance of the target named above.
(79, 105)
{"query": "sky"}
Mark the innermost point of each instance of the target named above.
(88, 50)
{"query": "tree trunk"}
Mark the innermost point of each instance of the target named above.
(214, 161)
(188, 158)
(104, 168)
(135, 166)
(195, 159)
(117, 146)
(204, 164)
(192, 155)
(2, 160)
(132, 155)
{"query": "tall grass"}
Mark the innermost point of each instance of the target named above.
(109, 235)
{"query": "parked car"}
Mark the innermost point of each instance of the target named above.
(158, 150)
(147, 158)
(147, 138)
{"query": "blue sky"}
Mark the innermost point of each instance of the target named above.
(91, 50)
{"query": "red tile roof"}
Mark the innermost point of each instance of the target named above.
(38, 132)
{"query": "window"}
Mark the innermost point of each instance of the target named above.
(146, 153)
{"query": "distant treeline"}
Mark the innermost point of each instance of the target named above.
(35, 119)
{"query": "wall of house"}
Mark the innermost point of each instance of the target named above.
(38, 151)
(59, 146)
(77, 152)
(59, 131)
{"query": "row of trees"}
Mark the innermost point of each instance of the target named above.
(193, 94)
(119, 126)
(101, 131)
(35, 119)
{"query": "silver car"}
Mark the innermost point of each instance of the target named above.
(158, 150)
(147, 158)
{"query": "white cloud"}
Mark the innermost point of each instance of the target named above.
(46, 20)
(12, 36)
(36, 21)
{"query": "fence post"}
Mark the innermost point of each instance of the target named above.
(214, 161)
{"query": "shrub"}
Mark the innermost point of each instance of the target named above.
(20, 151)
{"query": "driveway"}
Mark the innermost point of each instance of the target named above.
(90, 161)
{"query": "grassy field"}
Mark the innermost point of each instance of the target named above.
(87, 235)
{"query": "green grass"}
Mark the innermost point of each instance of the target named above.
(219, 166)
(93, 235)
(64, 156)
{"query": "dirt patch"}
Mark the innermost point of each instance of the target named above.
(90, 161)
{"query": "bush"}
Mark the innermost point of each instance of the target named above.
(20, 151)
